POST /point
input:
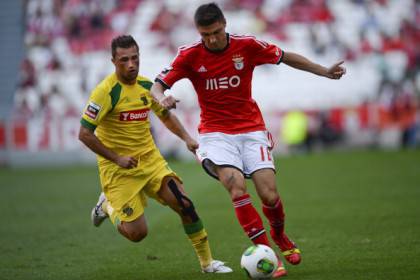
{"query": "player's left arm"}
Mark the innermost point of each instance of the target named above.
(336, 71)
(174, 125)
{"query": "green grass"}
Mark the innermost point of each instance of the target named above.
(354, 215)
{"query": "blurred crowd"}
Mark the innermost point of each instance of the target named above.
(55, 77)
(58, 33)
(87, 25)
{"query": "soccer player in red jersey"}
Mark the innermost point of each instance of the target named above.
(233, 141)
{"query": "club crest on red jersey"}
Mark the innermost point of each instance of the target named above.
(238, 61)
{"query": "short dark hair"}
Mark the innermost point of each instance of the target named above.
(123, 41)
(208, 14)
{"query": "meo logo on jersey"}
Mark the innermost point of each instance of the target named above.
(224, 82)
(92, 110)
(135, 115)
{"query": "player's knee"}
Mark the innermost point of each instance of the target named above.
(269, 198)
(188, 210)
(138, 235)
(133, 234)
(236, 193)
(186, 206)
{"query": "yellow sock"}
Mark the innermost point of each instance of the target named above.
(198, 237)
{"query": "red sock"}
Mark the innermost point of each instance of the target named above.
(250, 220)
(275, 215)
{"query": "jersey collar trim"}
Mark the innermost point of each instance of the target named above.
(219, 51)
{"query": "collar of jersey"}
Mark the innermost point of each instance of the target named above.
(219, 51)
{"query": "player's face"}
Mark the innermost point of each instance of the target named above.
(126, 63)
(214, 35)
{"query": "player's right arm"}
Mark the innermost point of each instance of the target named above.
(98, 106)
(88, 137)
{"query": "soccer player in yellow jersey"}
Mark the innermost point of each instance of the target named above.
(115, 125)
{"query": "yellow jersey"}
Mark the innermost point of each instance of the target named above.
(119, 115)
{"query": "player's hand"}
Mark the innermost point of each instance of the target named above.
(336, 71)
(127, 162)
(192, 145)
(168, 102)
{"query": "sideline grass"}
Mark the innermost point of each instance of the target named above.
(354, 215)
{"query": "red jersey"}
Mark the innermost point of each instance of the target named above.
(222, 81)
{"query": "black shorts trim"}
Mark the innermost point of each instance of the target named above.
(209, 172)
(249, 176)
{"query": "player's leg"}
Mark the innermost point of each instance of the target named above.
(248, 217)
(172, 193)
(127, 214)
(221, 159)
(135, 230)
(99, 212)
(264, 180)
(257, 156)
(123, 202)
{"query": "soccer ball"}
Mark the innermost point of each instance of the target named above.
(259, 262)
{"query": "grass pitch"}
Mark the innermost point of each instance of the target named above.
(354, 216)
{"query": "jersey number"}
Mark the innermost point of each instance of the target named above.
(265, 152)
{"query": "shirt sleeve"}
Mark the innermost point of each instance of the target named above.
(177, 71)
(159, 110)
(97, 107)
(265, 53)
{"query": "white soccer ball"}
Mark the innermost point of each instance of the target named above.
(259, 262)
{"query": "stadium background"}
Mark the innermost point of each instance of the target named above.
(348, 157)
(56, 51)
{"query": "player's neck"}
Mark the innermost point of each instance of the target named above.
(226, 45)
(125, 81)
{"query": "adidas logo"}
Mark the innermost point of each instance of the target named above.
(202, 69)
